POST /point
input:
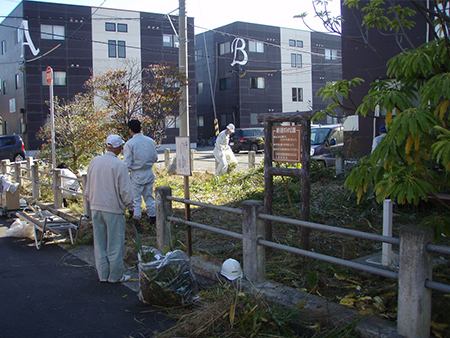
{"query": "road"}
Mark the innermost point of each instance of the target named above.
(204, 160)
(52, 293)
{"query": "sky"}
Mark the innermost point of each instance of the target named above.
(210, 14)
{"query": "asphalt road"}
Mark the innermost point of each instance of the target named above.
(204, 160)
(51, 293)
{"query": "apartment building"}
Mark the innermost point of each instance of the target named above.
(77, 42)
(245, 69)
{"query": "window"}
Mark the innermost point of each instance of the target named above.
(112, 48)
(198, 54)
(170, 41)
(295, 43)
(5, 89)
(224, 48)
(254, 119)
(225, 83)
(199, 87)
(52, 32)
(121, 49)
(296, 60)
(122, 27)
(200, 121)
(3, 48)
(59, 78)
(257, 47)
(110, 26)
(257, 82)
(297, 94)
(225, 119)
(330, 54)
(116, 49)
(1, 86)
(173, 122)
(18, 81)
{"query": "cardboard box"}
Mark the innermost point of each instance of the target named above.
(11, 201)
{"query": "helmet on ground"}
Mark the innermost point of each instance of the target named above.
(231, 128)
(231, 269)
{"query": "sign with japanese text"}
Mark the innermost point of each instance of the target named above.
(286, 144)
(183, 155)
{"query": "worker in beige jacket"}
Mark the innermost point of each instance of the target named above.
(109, 192)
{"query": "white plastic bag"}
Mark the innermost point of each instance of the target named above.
(20, 229)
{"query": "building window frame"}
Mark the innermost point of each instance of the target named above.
(3, 47)
(225, 83)
(53, 32)
(18, 81)
(112, 51)
(255, 46)
(121, 49)
(297, 94)
(296, 60)
(59, 78)
(199, 87)
(122, 27)
(331, 54)
(110, 27)
(257, 82)
(171, 41)
(224, 48)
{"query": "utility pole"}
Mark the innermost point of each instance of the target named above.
(184, 106)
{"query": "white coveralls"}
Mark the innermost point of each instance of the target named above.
(220, 150)
(139, 154)
(70, 184)
(109, 191)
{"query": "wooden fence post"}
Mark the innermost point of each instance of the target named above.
(57, 193)
(252, 230)
(163, 226)
(414, 299)
(35, 186)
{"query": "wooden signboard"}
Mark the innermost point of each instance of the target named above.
(286, 144)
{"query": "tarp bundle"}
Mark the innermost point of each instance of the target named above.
(168, 281)
(7, 185)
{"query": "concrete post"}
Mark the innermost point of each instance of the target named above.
(86, 206)
(17, 172)
(252, 230)
(57, 193)
(167, 158)
(5, 167)
(339, 165)
(163, 226)
(29, 165)
(251, 159)
(414, 299)
(35, 186)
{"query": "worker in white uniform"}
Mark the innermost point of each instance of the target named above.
(109, 192)
(376, 141)
(221, 148)
(139, 154)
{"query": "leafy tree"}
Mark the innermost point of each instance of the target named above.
(80, 132)
(149, 95)
(413, 161)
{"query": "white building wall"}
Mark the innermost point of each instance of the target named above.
(100, 37)
(295, 77)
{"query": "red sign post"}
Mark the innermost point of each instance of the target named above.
(49, 79)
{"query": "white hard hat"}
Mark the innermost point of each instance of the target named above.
(231, 128)
(231, 269)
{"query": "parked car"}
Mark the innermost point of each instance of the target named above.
(250, 139)
(327, 141)
(12, 148)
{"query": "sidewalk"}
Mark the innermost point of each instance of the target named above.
(53, 293)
